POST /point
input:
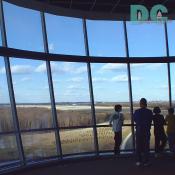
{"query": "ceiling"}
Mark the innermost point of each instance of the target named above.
(107, 6)
(93, 9)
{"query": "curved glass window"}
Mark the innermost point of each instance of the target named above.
(72, 97)
(171, 36)
(77, 140)
(0, 39)
(65, 35)
(153, 86)
(23, 28)
(172, 67)
(71, 84)
(146, 39)
(8, 149)
(106, 138)
(31, 93)
(110, 84)
(39, 145)
(106, 38)
(6, 121)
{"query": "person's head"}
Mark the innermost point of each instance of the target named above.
(156, 110)
(171, 111)
(143, 103)
(118, 108)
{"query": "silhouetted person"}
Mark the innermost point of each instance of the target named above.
(170, 119)
(143, 118)
(116, 120)
(159, 132)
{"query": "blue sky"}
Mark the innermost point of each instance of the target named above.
(106, 38)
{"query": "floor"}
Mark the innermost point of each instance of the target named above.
(120, 166)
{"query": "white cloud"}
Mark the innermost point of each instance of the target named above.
(61, 68)
(26, 79)
(113, 66)
(19, 69)
(51, 47)
(56, 81)
(41, 68)
(120, 78)
(81, 70)
(76, 79)
(46, 87)
(2, 70)
(99, 79)
(154, 66)
(124, 78)
(72, 87)
(76, 87)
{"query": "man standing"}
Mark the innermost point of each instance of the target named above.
(143, 118)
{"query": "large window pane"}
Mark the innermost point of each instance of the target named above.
(106, 38)
(106, 138)
(77, 140)
(110, 84)
(71, 89)
(146, 39)
(153, 85)
(23, 27)
(172, 67)
(171, 35)
(31, 93)
(8, 149)
(39, 145)
(0, 39)
(65, 35)
(6, 122)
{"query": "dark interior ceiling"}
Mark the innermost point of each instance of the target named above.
(94, 9)
(108, 6)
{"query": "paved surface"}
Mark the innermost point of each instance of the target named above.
(109, 166)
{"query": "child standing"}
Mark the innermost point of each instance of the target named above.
(159, 132)
(170, 119)
(116, 120)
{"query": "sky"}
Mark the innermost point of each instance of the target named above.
(70, 80)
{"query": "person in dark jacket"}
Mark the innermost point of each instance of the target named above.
(170, 119)
(143, 118)
(159, 132)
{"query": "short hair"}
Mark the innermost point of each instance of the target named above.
(156, 110)
(143, 101)
(118, 108)
(171, 110)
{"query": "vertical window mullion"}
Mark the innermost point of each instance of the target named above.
(51, 90)
(11, 90)
(91, 88)
(129, 83)
(168, 64)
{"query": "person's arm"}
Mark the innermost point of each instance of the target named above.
(122, 118)
(111, 119)
(135, 116)
(163, 120)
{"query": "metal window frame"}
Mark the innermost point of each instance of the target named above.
(46, 56)
(51, 89)
(129, 85)
(11, 90)
(90, 87)
(168, 64)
